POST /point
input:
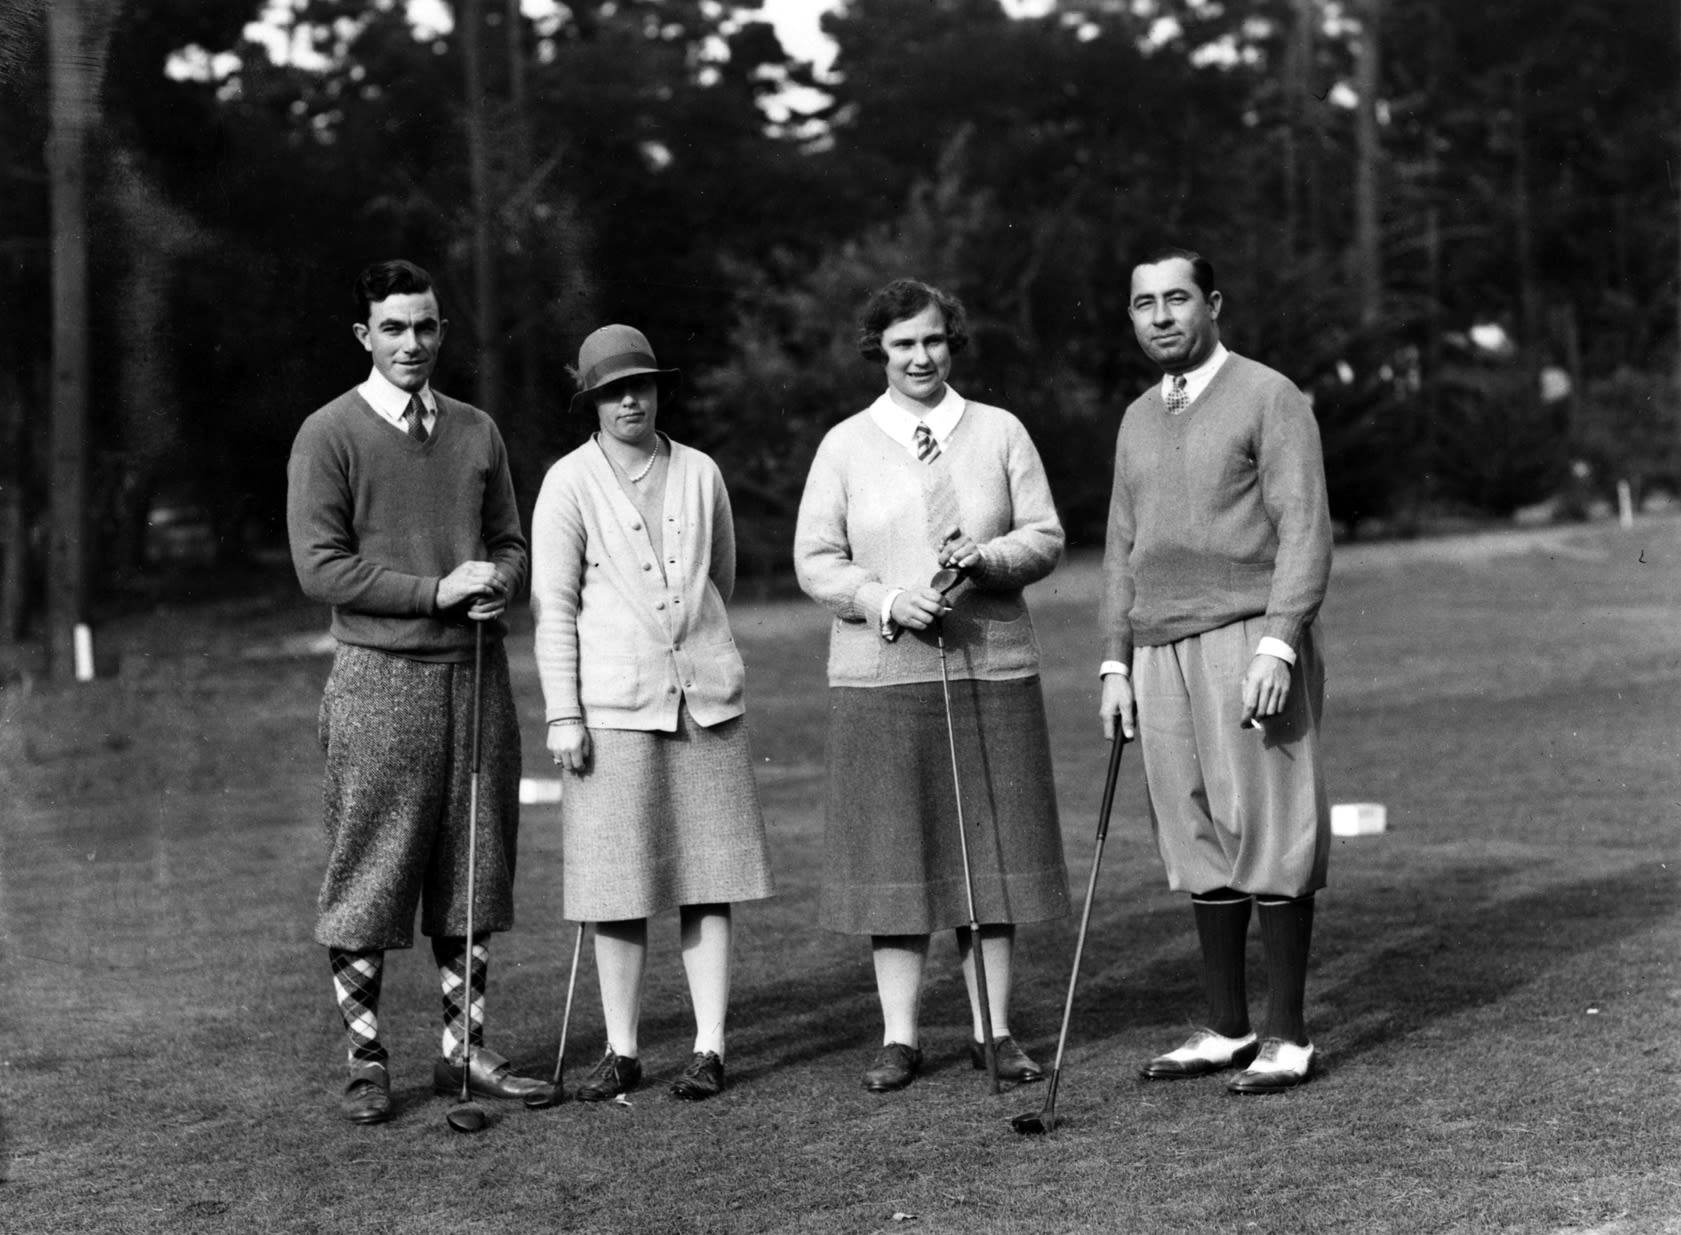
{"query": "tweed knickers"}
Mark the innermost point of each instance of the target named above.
(398, 738)
(1232, 807)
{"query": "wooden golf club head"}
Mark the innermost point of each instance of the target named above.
(467, 1117)
(1034, 1123)
(542, 1099)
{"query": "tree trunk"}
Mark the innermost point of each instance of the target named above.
(14, 534)
(486, 306)
(1299, 110)
(73, 88)
(1367, 228)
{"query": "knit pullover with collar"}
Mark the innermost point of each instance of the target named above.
(377, 519)
(863, 530)
(1218, 514)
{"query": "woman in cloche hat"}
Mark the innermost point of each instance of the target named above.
(633, 557)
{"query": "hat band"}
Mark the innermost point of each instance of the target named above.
(621, 361)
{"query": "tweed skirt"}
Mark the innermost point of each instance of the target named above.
(398, 738)
(662, 820)
(892, 848)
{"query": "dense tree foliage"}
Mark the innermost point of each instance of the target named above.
(618, 164)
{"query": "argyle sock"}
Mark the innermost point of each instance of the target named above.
(356, 981)
(1222, 929)
(450, 951)
(1286, 931)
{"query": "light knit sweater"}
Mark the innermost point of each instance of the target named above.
(624, 637)
(376, 519)
(862, 531)
(1218, 514)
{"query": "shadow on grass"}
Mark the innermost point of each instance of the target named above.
(1472, 954)
(1435, 953)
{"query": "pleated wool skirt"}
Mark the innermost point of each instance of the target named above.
(892, 854)
(662, 820)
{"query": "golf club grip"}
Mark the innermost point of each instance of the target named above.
(1116, 746)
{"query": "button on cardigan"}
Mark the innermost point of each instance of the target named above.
(621, 641)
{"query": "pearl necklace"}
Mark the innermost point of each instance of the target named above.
(646, 467)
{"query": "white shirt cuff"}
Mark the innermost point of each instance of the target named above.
(1113, 666)
(1276, 647)
(889, 629)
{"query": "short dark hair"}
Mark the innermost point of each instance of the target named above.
(1202, 270)
(904, 298)
(392, 278)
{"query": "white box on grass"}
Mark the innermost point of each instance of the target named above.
(534, 791)
(1358, 819)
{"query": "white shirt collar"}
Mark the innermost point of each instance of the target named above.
(1196, 381)
(391, 402)
(900, 425)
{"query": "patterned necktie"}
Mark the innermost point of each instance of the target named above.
(1177, 399)
(927, 449)
(416, 417)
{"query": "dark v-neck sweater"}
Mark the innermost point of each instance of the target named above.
(376, 519)
(1218, 514)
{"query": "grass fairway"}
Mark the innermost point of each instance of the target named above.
(1494, 992)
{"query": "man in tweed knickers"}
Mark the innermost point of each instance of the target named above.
(1217, 559)
(401, 515)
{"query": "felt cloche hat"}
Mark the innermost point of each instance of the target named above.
(613, 352)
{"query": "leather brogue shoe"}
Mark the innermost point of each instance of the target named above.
(491, 1076)
(1014, 1064)
(367, 1095)
(1204, 1051)
(893, 1067)
(1280, 1065)
(612, 1075)
(702, 1079)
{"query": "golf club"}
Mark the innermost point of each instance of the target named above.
(557, 1091)
(943, 581)
(467, 1115)
(1043, 1121)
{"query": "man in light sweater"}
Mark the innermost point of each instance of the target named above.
(401, 515)
(1217, 559)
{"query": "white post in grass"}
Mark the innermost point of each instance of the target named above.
(82, 643)
(1625, 504)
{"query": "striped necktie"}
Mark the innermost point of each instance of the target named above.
(1177, 399)
(415, 415)
(927, 449)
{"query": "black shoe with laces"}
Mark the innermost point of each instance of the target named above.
(894, 1066)
(702, 1079)
(612, 1075)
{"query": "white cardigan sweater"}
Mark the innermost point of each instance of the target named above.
(621, 641)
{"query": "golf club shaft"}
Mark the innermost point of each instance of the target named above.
(975, 950)
(1118, 743)
(472, 853)
(566, 1015)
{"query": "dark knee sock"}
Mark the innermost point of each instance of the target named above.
(357, 977)
(450, 951)
(1286, 932)
(1223, 929)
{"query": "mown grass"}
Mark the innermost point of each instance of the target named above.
(1494, 991)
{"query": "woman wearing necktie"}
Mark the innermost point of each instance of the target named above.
(922, 481)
